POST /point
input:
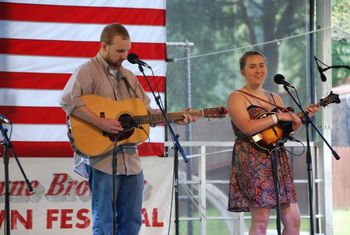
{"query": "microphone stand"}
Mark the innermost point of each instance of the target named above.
(8, 145)
(176, 146)
(308, 155)
(274, 163)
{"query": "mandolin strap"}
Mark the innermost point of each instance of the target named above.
(263, 100)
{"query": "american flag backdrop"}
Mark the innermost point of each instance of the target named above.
(43, 41)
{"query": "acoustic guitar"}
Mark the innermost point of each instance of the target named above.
(90, 141)
(278, 134)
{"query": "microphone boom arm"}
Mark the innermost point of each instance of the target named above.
(337, 67)
(330, 67)
(309, 121)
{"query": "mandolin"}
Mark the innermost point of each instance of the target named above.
(278, 134)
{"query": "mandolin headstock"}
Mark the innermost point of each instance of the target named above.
(330, 99)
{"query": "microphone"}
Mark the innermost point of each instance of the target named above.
(4, 119)
(320, 70)
(279, 79)
(134, 59)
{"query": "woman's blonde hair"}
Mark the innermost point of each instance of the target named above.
(246, 54)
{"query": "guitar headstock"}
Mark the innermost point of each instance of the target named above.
(331, 98)
(216, 112)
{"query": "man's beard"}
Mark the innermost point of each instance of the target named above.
(115, 65)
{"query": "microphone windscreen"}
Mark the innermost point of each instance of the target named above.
(132, 58)
(279, 79)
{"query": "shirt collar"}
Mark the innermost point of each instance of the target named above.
(107, 68)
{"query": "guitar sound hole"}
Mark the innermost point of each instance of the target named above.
(128, 123)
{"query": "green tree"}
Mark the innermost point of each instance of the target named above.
(231, 27)
(341, 41)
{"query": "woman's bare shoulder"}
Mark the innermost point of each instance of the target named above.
(236, 94)
(236, 97)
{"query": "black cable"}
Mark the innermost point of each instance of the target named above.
(114, 174)
(302, 146)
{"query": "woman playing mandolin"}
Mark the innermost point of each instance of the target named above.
(251, 183)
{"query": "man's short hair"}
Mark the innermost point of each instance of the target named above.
(112, 30)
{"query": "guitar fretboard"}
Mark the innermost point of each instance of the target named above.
(158, 118)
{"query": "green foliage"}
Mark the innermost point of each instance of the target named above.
(341, 41)
(222, 31)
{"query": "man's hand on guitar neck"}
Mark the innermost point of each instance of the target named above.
(188, 118)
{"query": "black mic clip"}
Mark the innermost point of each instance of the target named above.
(320, 69)
(4, 119)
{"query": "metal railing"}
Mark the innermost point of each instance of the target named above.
(202, 190)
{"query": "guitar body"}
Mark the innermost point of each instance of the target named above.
(91, 141)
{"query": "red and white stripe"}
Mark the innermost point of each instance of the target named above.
(43, 41)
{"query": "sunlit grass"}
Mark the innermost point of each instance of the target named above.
(341, 224)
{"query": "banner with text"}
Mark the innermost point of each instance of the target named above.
(60, 201)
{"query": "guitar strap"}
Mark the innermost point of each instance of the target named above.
(131, 87)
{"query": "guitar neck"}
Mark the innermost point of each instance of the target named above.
(159, 118)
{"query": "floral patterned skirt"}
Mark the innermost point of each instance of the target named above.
(252, 182)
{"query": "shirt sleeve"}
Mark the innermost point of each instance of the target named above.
(78, 84)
